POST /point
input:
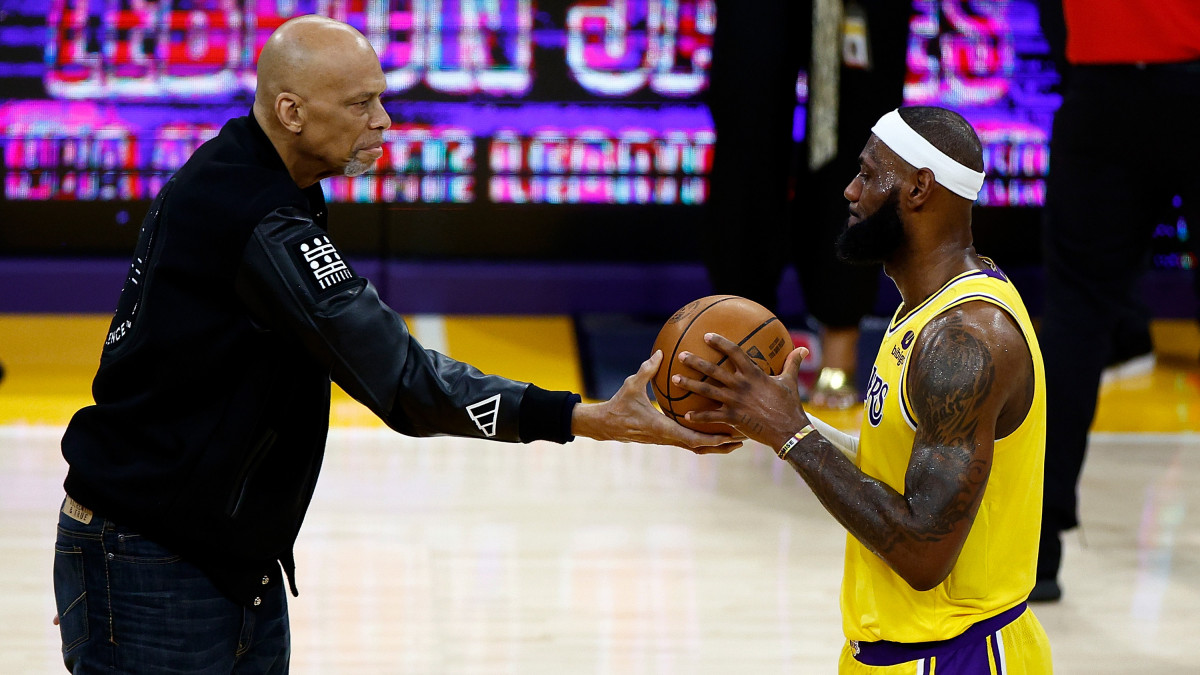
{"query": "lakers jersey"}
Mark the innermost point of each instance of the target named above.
(997, 566)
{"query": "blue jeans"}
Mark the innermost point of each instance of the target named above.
(128, 605)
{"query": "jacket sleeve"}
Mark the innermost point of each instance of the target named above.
(293, 280)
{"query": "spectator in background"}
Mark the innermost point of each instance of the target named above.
(1133, 347)
(1124, 141)
(854, 53)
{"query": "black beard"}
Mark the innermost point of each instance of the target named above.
(876, 238)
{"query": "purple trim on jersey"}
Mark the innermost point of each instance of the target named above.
(972, 643)
(996, 274)
(898, 322)
(997, 657)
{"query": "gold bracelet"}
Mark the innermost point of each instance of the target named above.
(791, 443)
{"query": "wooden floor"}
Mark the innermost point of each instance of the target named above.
(451, 556)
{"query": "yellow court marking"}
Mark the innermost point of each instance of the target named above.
(541, 350)
(51, 360)
(1166, 400)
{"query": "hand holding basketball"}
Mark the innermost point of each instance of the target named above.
(630, 417)
(761, 407)
(752, 327)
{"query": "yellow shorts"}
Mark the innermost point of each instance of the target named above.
(1019, 648)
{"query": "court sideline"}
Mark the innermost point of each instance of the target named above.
(456, 556)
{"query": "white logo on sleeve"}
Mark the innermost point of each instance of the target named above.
(485, 413)
(325, 262)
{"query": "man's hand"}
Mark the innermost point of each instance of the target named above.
(630, 416)
(763, 407)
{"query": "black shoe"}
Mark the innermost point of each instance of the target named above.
(1045, 590)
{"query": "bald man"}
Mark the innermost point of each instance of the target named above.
(938, 568)
(190, 475)
(318, 99)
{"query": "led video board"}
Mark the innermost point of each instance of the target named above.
(492, 100)
(496, 104)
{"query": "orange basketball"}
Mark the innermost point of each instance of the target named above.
(753, 327)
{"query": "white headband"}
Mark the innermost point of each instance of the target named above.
(914, 149)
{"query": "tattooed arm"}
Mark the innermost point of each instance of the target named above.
(968, 382)
(958, 397)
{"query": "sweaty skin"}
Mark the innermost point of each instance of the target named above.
(970, 380)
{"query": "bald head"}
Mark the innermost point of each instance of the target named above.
(306, 53)
(319, 98)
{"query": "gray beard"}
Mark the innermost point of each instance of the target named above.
(356, 167)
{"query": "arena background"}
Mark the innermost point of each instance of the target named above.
(544, 158)
(532, 216)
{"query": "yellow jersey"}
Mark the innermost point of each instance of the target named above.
(997, 566)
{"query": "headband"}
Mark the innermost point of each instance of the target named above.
(914, 149)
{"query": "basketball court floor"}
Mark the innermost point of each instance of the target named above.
(432, 556)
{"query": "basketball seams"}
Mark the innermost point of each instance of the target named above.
(671, 366)
(762, 326)
(732, 322)
(674, 352)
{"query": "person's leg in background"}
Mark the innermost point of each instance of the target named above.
(752, 97)
(1096, 241)
(1132, 351)
(839, 295)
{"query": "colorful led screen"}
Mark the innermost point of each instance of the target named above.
(510, 103)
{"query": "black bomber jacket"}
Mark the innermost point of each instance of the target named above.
(212, 396)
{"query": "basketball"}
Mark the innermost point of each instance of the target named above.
(753, 327)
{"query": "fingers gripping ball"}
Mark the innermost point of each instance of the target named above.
(753, 327)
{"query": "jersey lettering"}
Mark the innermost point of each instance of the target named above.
(877, 391)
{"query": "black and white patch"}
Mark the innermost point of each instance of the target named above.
(327, 272)
(485, 414)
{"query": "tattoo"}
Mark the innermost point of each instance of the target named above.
(752, 424)
(957, 375)
(843, 484)
(946, 475)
